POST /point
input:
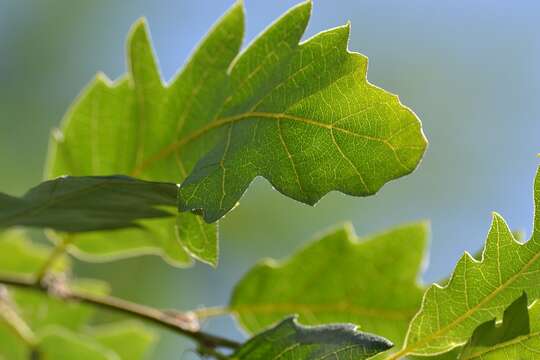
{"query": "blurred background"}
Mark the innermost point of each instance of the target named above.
(468, 69)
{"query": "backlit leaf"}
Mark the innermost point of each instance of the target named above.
(304, 117)
(478, 290)
(371, 282)
(301, 115)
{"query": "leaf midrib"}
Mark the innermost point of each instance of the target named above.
(466, 315)
(401, 314)
(168, 150)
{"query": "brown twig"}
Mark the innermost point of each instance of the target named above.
(142, 312)
(56, 253)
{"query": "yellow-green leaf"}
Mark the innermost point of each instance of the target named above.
(301, 115)
(478, 290)
(370, 281)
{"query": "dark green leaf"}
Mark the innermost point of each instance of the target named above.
(517, 337)
(75, 204)
(515, 323)
(304, 117)
(291, 341)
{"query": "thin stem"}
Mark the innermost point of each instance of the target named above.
(214, 311)
(55, 254)
(204, 351)
(142, 312)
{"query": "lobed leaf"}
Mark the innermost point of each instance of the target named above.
(289, 340)
(301, 115)
(369, 281)
(477, 291)
(304, 117)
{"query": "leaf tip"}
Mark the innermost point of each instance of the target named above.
(304, 7)
(213, 261)
(138, 29)
(239, 5)
(141, 24)
(307, 3)
(425, 225)
(497, 218)
(101, 77)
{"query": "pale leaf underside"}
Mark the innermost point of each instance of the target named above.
(289, 340)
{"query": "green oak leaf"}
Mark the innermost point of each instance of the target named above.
(301, 115)
(77, 204)
(369, 281)
(147, 116)
(513, 336)
(478, 290)
(304, 117)
(289, 340)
